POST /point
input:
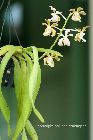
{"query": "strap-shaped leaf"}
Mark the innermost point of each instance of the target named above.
(23, 82)
(5, 60)
(33, 81)
(29, 53)
(27, 107)
(24, 136)
(31, 131)
(3, 105)
(5, 49)
(19, 81)
(30, 65)
(26, 103)
(17, 75)
(29, 61)
(37, 87)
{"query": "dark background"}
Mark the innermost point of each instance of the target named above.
(64, 94)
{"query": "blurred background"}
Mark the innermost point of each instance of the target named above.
(64, 94)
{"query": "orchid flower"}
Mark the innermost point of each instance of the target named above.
(76, 14)
(55, 15)
(49, 28)
(65, 40)
(49, 59)
(80, 35)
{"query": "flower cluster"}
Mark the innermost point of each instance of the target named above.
(63, 34)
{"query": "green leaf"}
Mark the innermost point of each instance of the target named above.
(38, 78)
(25, 104)
(24, 136)
(29, 48)
(33, 81)
(19, 81)
(29, 61)
(5, 49)
(37, 84)
(37, 87)
(23, 82)
(29, 53)
(17, 75)
(31, 131)
(3, 105)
